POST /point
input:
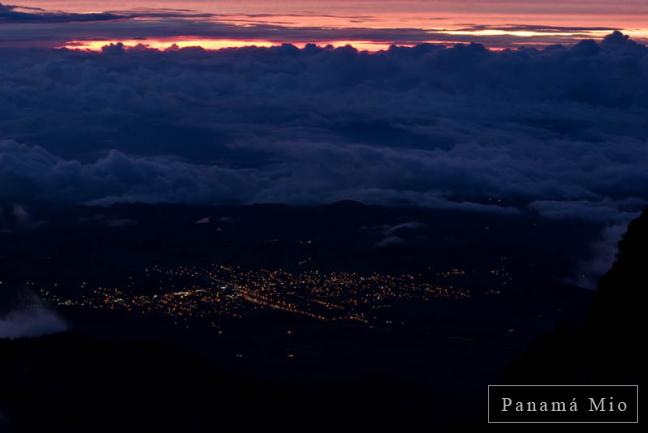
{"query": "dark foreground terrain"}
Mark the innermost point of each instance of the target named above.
(146, 348)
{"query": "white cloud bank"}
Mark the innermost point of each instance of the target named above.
(30, 321)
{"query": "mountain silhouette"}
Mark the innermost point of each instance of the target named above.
(608, 348)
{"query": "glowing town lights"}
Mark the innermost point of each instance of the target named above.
(187, 294)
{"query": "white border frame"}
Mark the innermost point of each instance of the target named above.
(564, 422)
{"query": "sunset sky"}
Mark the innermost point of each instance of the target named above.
(365, 24)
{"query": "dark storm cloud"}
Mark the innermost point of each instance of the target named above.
(560, 131)
(13, 14)
(536, 28)
(22, 14)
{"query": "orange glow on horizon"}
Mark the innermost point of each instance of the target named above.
(215, 44)
(370, 46)
(164, 44)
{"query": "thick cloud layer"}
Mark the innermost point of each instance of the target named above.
(561, 131)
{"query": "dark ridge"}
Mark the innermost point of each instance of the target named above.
(609, 348)
(72, 383)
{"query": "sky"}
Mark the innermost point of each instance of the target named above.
(370, 25)
(556, 130)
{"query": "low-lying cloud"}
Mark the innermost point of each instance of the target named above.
(603, 254)
(561, 131)
(30, 320)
